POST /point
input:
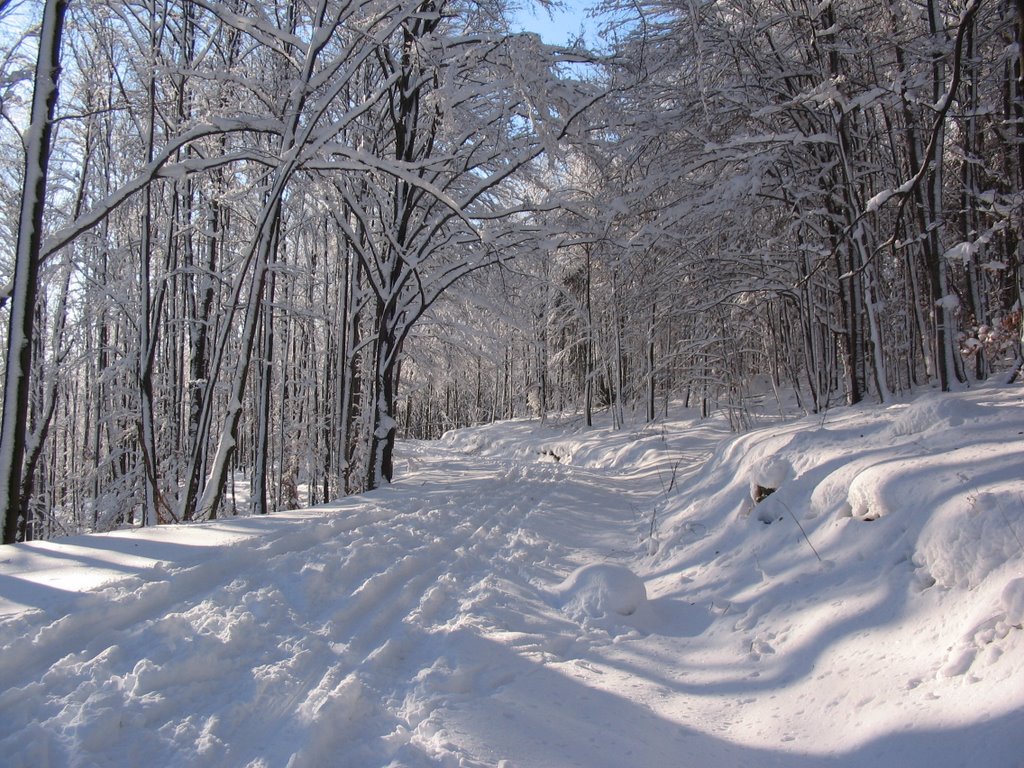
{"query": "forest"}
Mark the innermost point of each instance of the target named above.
(251, 243)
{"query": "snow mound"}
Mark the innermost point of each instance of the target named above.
(961, 545)
(771, 472)
(1013, 601)
(599, 590)
(936, 412)
(866, 497)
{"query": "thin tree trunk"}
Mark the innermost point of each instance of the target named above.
(650, 364)
(265, 242)
(590, 372)
(262, 447)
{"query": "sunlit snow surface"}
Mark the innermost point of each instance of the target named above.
(504, 604)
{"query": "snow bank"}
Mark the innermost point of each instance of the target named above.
(935, 413)
(963, 543)
(899, 528)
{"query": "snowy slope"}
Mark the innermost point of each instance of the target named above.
(506, 604)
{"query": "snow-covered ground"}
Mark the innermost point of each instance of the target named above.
(546, 595)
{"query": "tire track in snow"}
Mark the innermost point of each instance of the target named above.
(40, 640)
(497, 578)
(208, 625)
(388, 626)
(362, 629)
(341, 630)
(372, 630)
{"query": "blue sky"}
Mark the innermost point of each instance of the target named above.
(561, 25)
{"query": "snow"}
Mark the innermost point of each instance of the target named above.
(876, 202)
(598, 590)
(961, 252)
(771, 472)
(1013, 602)
(501, 604)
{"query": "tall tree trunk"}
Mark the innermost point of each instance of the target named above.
(26, 272)
(147, 322)
(650, 364)
(265, 240)
(383, 391)
(590, 372)
(200, 381)
(262, 447)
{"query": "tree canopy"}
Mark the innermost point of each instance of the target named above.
(271, 237)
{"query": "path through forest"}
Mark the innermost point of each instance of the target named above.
(414, 626)
(430, 623)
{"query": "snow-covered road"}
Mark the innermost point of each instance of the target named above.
(483, 611)
(416, 626)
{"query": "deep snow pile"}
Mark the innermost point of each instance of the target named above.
(550, 595)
